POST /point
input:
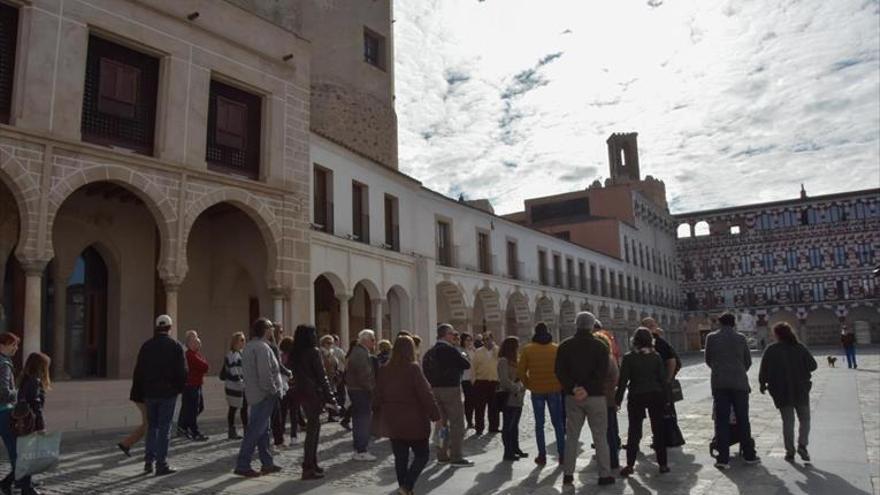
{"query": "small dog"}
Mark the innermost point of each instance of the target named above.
(832, 361)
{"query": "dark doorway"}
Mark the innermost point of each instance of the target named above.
(86, 322)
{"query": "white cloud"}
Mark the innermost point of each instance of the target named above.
(734, 103)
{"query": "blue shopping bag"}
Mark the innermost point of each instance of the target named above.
(37, 453)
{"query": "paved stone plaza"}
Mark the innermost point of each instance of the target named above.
(845, 449)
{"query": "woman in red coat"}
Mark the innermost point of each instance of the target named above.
(406, 407)
(192, 403)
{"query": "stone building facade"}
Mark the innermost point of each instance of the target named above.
(808, 261)
(153, 158)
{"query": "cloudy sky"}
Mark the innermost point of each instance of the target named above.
(734, 101)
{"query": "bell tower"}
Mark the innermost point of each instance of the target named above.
(623, 157)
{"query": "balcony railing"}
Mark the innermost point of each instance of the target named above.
(323, 217)
(516, 269)
(486, 263)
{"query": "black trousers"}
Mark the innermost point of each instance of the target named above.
(636, 406)
(230, 415)
(467, 387)
(312, 407)
(408, 473)
(484, 397)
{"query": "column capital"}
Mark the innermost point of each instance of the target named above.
(342, 297)
(280, 292)
(32, 265)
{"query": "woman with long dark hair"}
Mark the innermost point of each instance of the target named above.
(642, 372)
(9, 343)
(406, 407)
(512, 393)
(311, 391)
(786, 369)
(33, 383)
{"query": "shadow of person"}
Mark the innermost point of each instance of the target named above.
(427, 484)
(758, 479)
(489, 482)
(819, 481)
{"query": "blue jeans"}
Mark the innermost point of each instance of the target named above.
(408, 474)
(557, 418)
(510, 430)
(850, 357)
(361, 414)
(725, 399)
(9, 440)
(257, 435)
(160, 412)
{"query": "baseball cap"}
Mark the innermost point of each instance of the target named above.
(163, 321)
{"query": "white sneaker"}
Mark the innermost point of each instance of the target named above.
(722, 466)
(363, 456)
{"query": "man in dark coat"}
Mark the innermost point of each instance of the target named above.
(785, 371)
(159, 377)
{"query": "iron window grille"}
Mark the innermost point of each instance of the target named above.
(234, 118)
(119, 102)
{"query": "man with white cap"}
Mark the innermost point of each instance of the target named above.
(159, 376)
(581, 366)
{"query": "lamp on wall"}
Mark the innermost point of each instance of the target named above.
(287, 57)
(193, 16)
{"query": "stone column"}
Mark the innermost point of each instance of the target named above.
(691, 227)
(171, 290)
(377, 316)
(33, 299)
(278, 306)
(344, 337)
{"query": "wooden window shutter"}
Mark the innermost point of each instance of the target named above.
(231, 127)
(118, 88)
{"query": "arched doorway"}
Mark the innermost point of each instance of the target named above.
(11, 274)
(395, 312)
(822, 327)
(487, 313)
(518, 320)
(85, 328)
(226, 286)
(864, 321)
(544, 312)
(95, 314)
(567, 315)
(326, 306)
(363, 308)
(451, 307)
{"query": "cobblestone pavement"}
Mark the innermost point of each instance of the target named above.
(845, 448)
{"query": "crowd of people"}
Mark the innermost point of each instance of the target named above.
(380, 388)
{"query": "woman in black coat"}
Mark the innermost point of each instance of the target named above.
(785, 371)
(311, 391)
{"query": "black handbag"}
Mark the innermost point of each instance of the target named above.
(673, 435)
(22, 420)
(675, 392)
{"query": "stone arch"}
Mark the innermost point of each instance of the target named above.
(155, 200)
(487, 314)
(451, 305)
(822, 327)
(16, 179)
(544, 312)
(864, 321)
(265, 220)
(518, 318)
(370, 287)
(567, 314)
(335, 281)
(396, 312)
